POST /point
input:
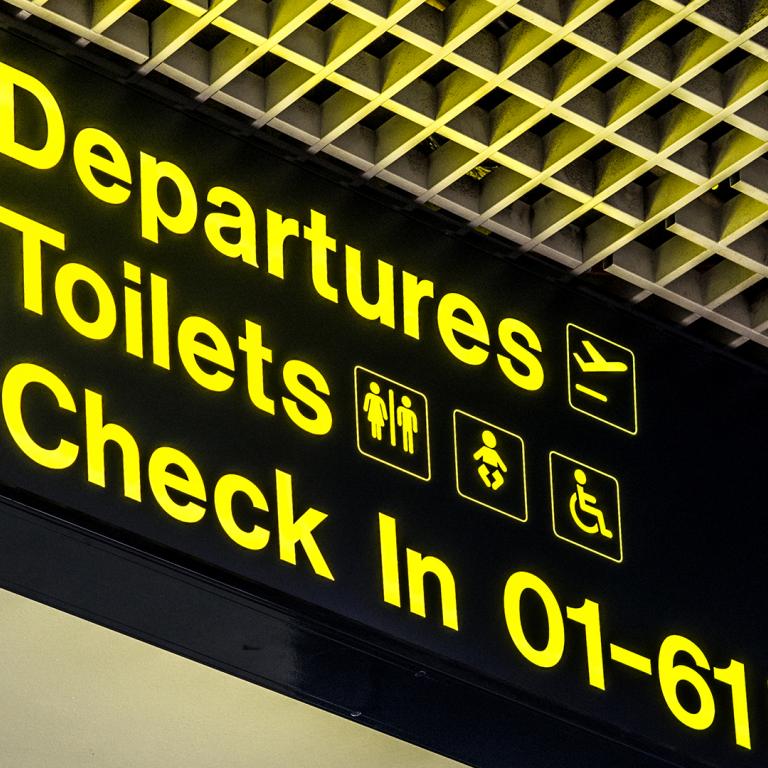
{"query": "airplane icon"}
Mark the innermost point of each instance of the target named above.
(601, 378)
(597, 363)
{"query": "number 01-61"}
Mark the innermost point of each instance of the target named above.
(697, 711)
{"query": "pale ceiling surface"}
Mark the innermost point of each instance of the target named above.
(616, 135)
(75, 694)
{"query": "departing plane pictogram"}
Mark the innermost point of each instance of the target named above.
(601, 379)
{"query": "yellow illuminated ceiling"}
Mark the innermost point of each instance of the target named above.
(620, 136)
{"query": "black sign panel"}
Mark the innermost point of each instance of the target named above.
(217, 351)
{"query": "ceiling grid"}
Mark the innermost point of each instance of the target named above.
(629, 136)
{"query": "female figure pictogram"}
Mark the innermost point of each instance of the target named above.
(376, 408)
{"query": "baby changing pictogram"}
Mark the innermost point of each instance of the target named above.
(490, 465)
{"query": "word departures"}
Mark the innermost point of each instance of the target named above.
(103, 168)
(260, 371)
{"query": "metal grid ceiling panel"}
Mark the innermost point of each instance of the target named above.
(629, 135)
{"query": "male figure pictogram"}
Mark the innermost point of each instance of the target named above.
(408, 423)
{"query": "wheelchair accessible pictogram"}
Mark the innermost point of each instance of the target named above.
(585, 506)
(582, 505)
(490, 465)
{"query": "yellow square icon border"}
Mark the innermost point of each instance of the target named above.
(634, 378)
(552, 506)
(456, 466)
(426, 426)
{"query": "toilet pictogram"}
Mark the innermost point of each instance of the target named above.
(392, 423)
